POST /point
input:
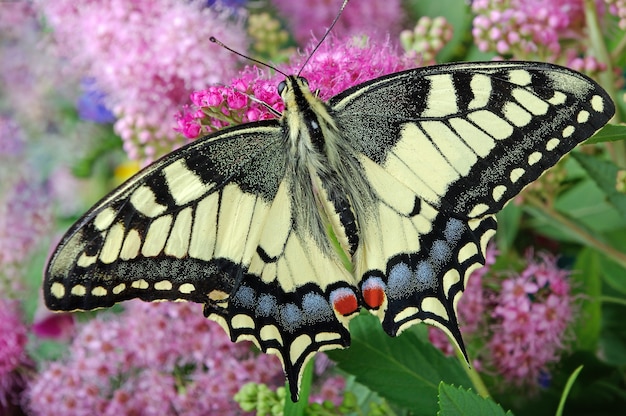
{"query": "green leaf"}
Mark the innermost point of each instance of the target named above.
(604, 174)
(608, 133)
(614, 274)
(589, 281)
(508, 226)
(566, 390)
(405, 370)
(455, 401)
(612, 342)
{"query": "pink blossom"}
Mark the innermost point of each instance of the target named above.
(310, 18)
(336, 66)
(13, 339)
(146, 56)
(525, 29)
(529, 324)
(152, 359)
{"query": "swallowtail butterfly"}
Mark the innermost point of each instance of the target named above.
(407, 170)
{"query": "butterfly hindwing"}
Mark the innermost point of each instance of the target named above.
(462, 139)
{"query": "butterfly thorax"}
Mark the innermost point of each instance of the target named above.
(315, 144)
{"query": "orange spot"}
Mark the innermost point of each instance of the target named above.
(374, 296)
(345, 303)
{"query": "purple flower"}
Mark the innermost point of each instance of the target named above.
(13, 338)
(152, 359)
(527, 29)
(310, 18)
(145, 56)
(91, 105)
(523, 318)
(336, 66)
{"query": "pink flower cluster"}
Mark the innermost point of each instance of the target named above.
(13, 357)
(523, 317)
(146, 56)
(376, 18)
(336, 65)
(153, 359)
(25, 214)
(428, 38)
(529, 324)
(528, 29)
(618, 8)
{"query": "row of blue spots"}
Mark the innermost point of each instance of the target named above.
(406, 279)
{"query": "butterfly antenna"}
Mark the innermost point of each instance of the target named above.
(343, 6)
(218, 42)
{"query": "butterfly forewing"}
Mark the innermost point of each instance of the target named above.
(407, 170)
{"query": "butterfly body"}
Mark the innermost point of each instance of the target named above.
(382, 198)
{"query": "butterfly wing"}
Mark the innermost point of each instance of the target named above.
(213, 223)
(444, 148)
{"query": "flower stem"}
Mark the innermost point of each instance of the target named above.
(473, 375)
(598, 46)
(577, 231)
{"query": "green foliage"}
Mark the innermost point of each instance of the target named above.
(456, 401)
(406, 370)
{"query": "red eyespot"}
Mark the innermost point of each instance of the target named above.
(373, 290)
(344, 301)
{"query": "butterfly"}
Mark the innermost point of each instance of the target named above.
(382, 198)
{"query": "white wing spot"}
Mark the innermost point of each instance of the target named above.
(242, 321)
(534, 158)
(498, 192)
(597, 103)
(203, 233)
(478, 210)
(178, 241)
(520, 77)
(98, 291)
(583, 117)
(495, 126)
(324, 337)
(516, 174)
(481, 88)
(451, 277)
(113, 244)
(163, 285)
(131, 246)
(156, 236)
(186, 288)
(85, 261)
(558, 98)
(434, 305)
(104, 219)
(57, 290)
(140, 284)
(406, 313)
(440, 101)
(530, 102)
(467, 251)
(298, 347)
(79, 290)
(119, 288)
(144, 201)
(516, 114)
(184, 185)
(568, 131)
(552, 144)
